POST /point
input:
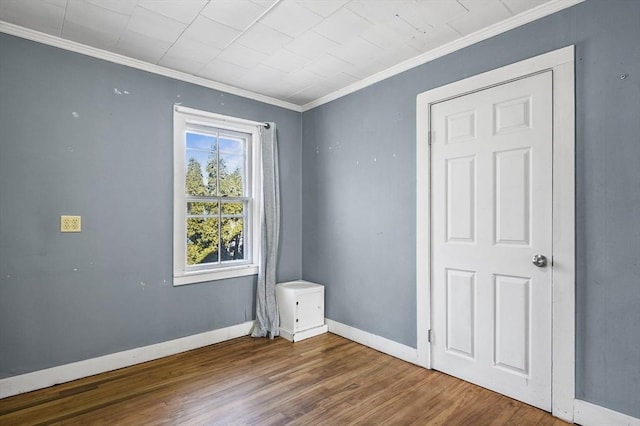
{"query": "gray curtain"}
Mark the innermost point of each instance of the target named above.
(267, 320)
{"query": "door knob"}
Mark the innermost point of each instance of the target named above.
(539, 260)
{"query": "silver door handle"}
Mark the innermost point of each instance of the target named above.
(539, 260)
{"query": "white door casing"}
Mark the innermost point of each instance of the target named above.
(490, 213)
(512, 284)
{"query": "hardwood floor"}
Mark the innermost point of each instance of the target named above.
(326, 380)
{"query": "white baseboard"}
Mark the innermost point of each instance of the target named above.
(588, 414)
(88, 367)
(384, 345)
(301, 335)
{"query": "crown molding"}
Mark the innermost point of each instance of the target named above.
(37, 36)
(523, 18)
(530, 15)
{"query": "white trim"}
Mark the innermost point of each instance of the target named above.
(37, 36)
(588, 414)
(301, 335)
(215, 274)
(88, 367)
(561, 62)
(563, 260)
(384, 345)
(221, 118)
(523, 18)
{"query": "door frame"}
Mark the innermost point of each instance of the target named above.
(561, 63)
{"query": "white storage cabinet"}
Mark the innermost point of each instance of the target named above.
(301, 307)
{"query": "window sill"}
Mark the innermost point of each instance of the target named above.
(213, 275)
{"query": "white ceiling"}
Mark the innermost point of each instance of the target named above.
(292, 50)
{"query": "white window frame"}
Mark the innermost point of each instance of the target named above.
(182, 118)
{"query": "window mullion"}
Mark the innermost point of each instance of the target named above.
(220, 233)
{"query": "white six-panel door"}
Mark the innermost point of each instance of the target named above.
(491, 212)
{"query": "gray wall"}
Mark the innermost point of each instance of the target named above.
(358, 215)
(68, 297)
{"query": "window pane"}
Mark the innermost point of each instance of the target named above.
(232, 145)
(232, 239)
(200, 152)
(232, 166)
(202, 208)
(233, 208)
(232, 176)
(202, 240)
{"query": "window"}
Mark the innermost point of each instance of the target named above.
(216, 227)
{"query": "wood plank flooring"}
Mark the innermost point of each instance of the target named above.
(326, 380)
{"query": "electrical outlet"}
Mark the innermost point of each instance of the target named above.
(70, 223)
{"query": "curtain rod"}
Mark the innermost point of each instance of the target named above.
(192, 111)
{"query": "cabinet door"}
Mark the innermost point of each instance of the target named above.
(309, 311)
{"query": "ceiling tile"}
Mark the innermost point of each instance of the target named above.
(154, 25)
(241, 55)
(277, 90)
(340, 80)
(210, 32)
(124, 7)
(322, 7)
(377, 12)
(188, 65)
(365, 69)
(189, 49)
(432, 13)
(184, 11)
(519, 6)
(45, 17)
(224, 72)
(95, 17)
(406, 30)
(480, 15)
(435, 37)
(264, 39)
(82, 34)
(395, 49)
(291, 19)
(238, 14)
(342, 26)
(59, 3)
(398, 55)
(423, 40)
(298, 80)
(356, 51)
(328, 65)
(142, 47)
(286, 60)
(261, 76)
(309, 94)
(311, 45)
(264, 3)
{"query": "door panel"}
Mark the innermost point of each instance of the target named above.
(461, 307)
(513, 198)
(512, 305)
(491, 199)
(460, 205)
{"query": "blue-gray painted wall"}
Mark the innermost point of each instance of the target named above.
(359, 172)
(68, 297)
